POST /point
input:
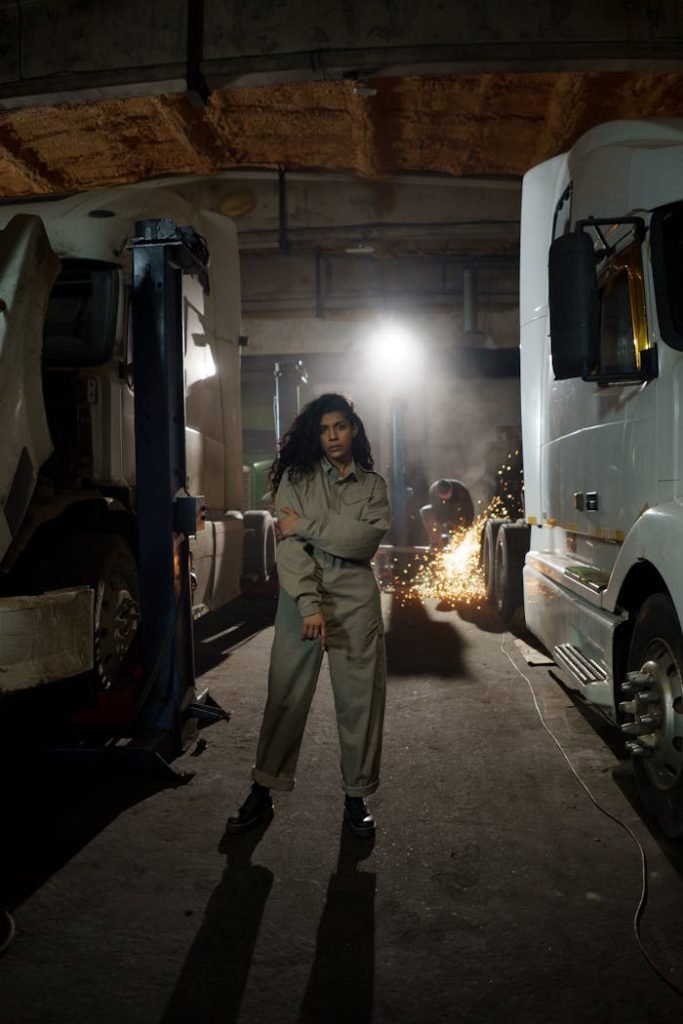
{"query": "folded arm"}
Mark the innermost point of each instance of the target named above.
(345, 537)
(298, 575)
(296, 568)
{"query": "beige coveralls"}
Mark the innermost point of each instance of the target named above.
(326, 567)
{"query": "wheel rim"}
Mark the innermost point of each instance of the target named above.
(116, 621)
(659, 712)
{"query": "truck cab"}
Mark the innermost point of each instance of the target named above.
(601, 341)
(67, 464)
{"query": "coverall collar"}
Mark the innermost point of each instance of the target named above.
(350, 474)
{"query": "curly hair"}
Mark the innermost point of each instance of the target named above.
(300, 450)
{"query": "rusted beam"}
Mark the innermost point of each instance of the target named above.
(25, 164)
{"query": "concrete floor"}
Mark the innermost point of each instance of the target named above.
(494, 890)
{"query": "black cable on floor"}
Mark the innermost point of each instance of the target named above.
(642, 902)
(7, 930)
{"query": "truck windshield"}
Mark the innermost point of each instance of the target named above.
(667, 259)
(80, 323)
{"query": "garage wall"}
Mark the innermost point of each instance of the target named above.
(461, 418)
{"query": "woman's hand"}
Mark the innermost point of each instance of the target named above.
(314, 626)
(286, 525)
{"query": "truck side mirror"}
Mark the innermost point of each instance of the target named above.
(574, 306)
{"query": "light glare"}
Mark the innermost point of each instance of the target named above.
(394, 355)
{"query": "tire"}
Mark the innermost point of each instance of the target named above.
(488, 556)
(657, 639)
(258, 559)
(105, 562)
(512, 544)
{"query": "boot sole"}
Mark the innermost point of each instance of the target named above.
(236, 828)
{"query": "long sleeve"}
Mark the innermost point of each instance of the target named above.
(345, 537)
(296, 568)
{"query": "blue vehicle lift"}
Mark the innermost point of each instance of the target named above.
(167, 709)
(167, 514)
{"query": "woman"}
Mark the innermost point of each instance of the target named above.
(332, 512)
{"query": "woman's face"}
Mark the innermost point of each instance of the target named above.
(336, 438)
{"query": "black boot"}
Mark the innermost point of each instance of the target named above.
(358, 817)
(256, 808)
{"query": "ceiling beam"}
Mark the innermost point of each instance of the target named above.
(23, 163)
(56, 51)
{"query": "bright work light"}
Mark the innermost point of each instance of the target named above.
(394, 356)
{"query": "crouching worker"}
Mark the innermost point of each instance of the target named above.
(332, 512)
(451, 509)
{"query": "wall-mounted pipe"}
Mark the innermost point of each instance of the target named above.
(469, 300)
(283, 239)
(319, 303)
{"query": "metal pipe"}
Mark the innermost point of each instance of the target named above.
(497, 229)
(283, 241)
(319, 304)
(397, 476)
(469, 300)
(197, 89)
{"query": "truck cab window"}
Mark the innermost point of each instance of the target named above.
(80, 322)
(617, 335)
(667, 261)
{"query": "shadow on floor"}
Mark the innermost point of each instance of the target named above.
(603, 728)
(61, 784)
(213, 979)
(417, 645)
(50, 815)
(671, 848)
(622, 773)
(220, 632)
(340, 986)
(483, 616)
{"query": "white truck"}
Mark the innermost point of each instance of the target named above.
(600, 549)
(68, 574)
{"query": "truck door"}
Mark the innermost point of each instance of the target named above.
(602, 466)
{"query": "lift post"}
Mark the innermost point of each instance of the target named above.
(167, 514)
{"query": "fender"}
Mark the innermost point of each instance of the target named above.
(95, 507)
(657, 538)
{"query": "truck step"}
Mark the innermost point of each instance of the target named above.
(589, 575)
(574, 661)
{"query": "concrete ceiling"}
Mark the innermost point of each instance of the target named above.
(404, 128)
(374, 127)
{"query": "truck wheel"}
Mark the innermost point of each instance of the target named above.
(512, 544)
(488, 556)
(258, 561)
(655, 662)
(105, 562)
